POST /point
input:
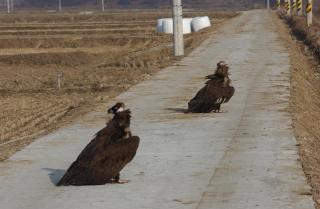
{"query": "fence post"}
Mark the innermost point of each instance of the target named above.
(278, 4)
(60, 76)
(12, 5)
(8, 6)
(102, 5)
(294, 7)
(309, 13)
(60, 5)
(288, 7)
(299, 7)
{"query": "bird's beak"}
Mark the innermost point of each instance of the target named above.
(110, 111)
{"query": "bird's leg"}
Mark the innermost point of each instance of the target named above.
(221, 111)
(218, 110)
(117, 180)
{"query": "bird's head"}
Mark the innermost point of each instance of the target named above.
(221, 63)
(118, 107)
(222, 69)
(123, 118)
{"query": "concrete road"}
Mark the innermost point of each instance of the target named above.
(244, 158)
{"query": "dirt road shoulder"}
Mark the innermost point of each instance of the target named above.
(305, 105)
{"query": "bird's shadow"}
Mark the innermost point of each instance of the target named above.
(179, 110)
(55, 174)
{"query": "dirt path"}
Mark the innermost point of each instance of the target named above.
(305, 105)
(245, 158)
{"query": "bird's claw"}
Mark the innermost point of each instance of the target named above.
(121, 182)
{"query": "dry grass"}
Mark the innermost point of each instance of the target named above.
(305, 99)
(99, 56)
(310, 36)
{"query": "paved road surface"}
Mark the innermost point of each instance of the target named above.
(243, 159)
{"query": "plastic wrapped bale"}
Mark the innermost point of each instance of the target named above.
(168, 25)
(196, 24)
(206, 21)
(199, 23)
(160, 25)
(187, 25)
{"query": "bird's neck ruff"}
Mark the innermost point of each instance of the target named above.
(222, 71)
(121, 109)
(219, 75)
(123, 118)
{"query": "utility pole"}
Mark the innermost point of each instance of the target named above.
(309, 13)
(60, 5)
(102, 5)
(178, 44)
(8, 6)
(268, 4)
(299, 7)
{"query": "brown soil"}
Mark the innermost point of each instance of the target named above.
(305, 99)
(97, 57)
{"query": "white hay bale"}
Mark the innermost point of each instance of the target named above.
(187, 25)
(86, 13)
(160, 25)
(196, 24)
(199, 23)
(167, 25)
(206, 21)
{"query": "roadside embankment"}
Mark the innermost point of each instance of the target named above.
(310, 36)
(304, 49)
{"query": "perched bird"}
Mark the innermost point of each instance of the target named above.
(216, 92)
(107, 154)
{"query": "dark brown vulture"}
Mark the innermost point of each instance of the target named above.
(106, 155)
(216, 91)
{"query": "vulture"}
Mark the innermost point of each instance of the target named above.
(217, 90)
(112, 148)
